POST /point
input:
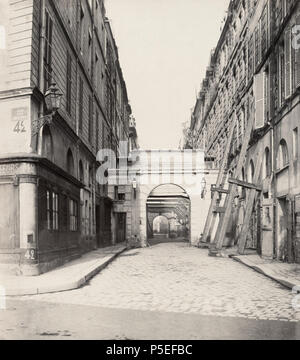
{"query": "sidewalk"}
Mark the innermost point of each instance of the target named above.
(286, 274)
(70, 276)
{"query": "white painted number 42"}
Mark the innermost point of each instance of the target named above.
(30, 255)
(20, 127)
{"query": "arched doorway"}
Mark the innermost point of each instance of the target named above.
(168, 214)
(160, 226)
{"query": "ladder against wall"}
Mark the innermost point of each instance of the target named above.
(224, 213)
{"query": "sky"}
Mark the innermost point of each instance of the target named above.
(164, 49)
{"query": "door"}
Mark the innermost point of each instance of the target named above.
(9, 220)
(296, 228)
(282, 229)
(267, 226)
(121, 227)
(98, 226)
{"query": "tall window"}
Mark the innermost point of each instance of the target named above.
(81, 172)
(281, 76)
(80, 112)
(81, 29)
(48, 51)
(69, 83)
(47, 144)
(283, 155)
(257, 46)
(70, 163)
(96, 73)
(48, 210)
(90, 221)
(73, 211)
(296, 61)
(288, 63)
(264, 30)
(63, 216)
(54, 211)
(295, 143)
(267, 163)
(97, 131)
(90, 51)
(90, 119)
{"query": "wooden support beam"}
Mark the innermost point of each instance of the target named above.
(226, 217)
(219, 210)
(212, 216)
(245, 184)
(219, 190)
(251, 198)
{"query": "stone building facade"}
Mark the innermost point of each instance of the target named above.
(254, 71)
(52, 208)
(186, 174)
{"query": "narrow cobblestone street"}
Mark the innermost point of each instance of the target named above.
(171, 280)
(179, 278)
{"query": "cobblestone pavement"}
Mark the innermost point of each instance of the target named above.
(182, 279)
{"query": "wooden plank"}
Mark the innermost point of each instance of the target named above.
(225, 217)
(219, 190)
(249, 206)
(211, 216)
(244, 184)
(219, 210)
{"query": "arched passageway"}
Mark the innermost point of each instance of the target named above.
(168, 214)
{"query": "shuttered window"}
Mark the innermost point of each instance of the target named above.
(257, 45)
(250, 57)
(90, 122)
(259, 91)
(64, 213)
(296, 46)
(264, 30)
(80, 112)
(48, 194)
(73, 214)
(97, 131)
(68, 83)
(281, 65)
(55, 211)
(288, 62)
(48, 51)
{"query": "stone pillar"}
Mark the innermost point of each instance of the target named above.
(28, 225)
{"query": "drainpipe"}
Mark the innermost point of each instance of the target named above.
(41, 62)
(273, 187)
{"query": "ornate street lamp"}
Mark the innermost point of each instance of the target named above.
(53, 101)
(53, 98)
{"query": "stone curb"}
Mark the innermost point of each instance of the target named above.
(68, 284)
(289, 283)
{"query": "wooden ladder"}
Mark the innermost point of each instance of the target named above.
(219, 188)
(225, 212)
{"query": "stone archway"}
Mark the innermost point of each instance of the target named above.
(188, 170)
(173, 203)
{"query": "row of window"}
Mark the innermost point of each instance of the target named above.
(110, 97)
(287, 68)
(47, 152)
(62, 212)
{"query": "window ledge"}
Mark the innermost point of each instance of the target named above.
(278, 171)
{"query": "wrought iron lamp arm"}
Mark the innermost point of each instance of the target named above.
(37, 124)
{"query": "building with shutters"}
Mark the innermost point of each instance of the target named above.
(52, 209)
(254, 71)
